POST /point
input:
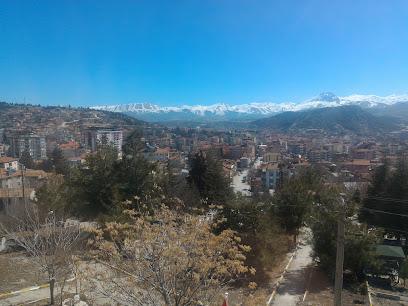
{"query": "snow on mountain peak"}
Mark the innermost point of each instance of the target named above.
(325, 99)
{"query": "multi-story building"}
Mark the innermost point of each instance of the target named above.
(316, 156)
(30, 142)
(271, 157)
(270, 175)
(1, 136)
(3, 149)
(363, 154)
(233, 152)
(94, 137)
(299, 148)
(161, 154)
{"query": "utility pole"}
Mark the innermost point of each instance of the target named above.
(338, 284)
(22, 180)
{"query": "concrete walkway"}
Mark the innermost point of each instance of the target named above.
(293, 285)
(27, 298)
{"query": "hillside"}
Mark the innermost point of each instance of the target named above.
(341, 119)
(398, 110)
(54, 118)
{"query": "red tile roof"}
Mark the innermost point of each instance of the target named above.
(7, 159)
(69, 145)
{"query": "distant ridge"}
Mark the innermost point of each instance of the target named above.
(248, 112)
(341, 119)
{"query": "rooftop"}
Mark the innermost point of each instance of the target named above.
(7, 159)
(69, 145)
(390, 251)
(358, 162)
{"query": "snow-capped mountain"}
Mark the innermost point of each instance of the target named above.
(222, 111)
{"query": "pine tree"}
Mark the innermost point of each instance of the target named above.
(295, 198)
(27, 160)
(359, 252)
(134, 176)
(93, 186)
(59, 162)
(384, 204)
(46, 165)
(133, 144)
(99, 186)
(176, 186)
(206, 174)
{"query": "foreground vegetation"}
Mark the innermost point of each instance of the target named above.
(163, 239)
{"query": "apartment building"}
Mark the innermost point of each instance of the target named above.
(93, 137)
(270, 175)
(30, 142)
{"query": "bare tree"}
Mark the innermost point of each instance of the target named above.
(49, 240)
(167, 259)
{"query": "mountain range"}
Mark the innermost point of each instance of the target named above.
(390, 105)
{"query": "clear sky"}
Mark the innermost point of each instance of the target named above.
(200, 52)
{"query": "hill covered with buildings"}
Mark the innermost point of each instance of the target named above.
(26, 116)
(37, 130)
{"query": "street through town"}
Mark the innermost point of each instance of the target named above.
(238, 183)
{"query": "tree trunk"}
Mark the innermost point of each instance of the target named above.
(52, 284)
(62, 291)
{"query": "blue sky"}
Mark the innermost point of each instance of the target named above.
(200, 52)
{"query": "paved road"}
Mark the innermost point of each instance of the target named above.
(240, 186)
(294, 283)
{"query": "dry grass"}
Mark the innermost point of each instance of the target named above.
(268, 257)
(18, 271)
(321, 292)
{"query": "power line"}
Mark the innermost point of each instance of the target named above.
(393, 229)
(388, 199)
(361, 208)
(382, 211)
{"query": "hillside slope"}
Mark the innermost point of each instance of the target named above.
(330, 119)
(397, 110)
